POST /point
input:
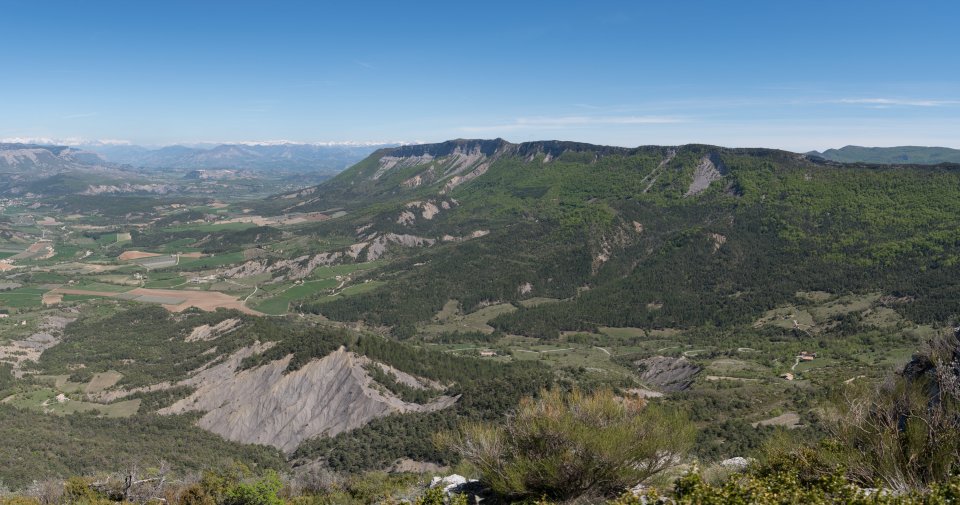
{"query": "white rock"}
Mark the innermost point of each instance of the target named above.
(738, 462)
(450, 482)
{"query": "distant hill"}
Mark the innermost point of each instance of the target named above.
(262, 157)
(52, 170)
(891, 155)
(32, 158)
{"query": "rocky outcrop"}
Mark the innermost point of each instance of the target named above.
(271, 406)
(708, 170)
(472, 235)
(101, 189)
(19, 352)
(206, 332)
(31, 158)
(377, 246)
(456, 161)
(426, 210)
(667, 374)
(296, 268)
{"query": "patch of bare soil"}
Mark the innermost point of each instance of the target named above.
(203, 300)
(135, 255)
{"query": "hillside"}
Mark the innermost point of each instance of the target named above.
(339, 326)
(652, 236)
(891, 155)
(29, 159)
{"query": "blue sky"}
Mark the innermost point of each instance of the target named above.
(794, 75)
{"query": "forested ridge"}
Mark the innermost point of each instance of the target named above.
(772, 224)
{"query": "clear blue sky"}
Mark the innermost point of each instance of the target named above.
(794, 75)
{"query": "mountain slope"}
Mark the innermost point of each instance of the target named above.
(30, 159)
(58, 170)
(891, 155)
(647, 237)
(276, 381)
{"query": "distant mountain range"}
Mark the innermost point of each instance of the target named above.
(32, 158)
(891, 155)
(268, 156)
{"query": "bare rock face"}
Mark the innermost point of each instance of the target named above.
(296, 268)
(667, 374)
(708, 170)
(100, 189)
(378, 245)
(206, 332)
(268, 405)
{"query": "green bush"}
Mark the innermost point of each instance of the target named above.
(264, 491)
(436, 496)
(565, 446)
(905, 433)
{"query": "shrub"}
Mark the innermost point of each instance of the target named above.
(78, 490)
(904, 434)
(436, 496)
(195, 495)
(261, 492)
(564, 446)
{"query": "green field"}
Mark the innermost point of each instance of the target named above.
(22, 298)
(279, 303)
(357, 289)
(211, 261)
(45, 400)
(323, 278)
(450, 319)
(180, 245)
(64, 252)
(164, 280)
(90, 285)
(210, 227)
(326, 272)
(107, 239)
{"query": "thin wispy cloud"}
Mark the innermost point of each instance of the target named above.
(893, 102)
(562, 122)
(364, 64)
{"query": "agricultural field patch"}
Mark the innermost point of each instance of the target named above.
(279, 303)
(450, 319)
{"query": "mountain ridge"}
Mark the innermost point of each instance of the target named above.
(574, 215)
(244, 156)
(920, 155)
